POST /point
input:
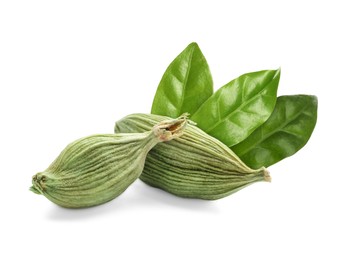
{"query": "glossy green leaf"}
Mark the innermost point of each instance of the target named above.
(185, 85)
(239, 107)
(286, 131)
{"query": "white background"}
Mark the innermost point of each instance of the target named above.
(72, 68)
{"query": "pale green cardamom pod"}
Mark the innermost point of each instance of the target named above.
(96, 169)
(196, 165)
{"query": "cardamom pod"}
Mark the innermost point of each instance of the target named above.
(196, 165)
(96, 169)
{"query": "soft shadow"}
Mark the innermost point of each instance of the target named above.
(138, 196)
(158, 197)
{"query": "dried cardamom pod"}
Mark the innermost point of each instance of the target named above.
(98, 168)
(196, 165)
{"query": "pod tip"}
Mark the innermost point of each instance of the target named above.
(34, 190)
(169, 129)
(267, 176)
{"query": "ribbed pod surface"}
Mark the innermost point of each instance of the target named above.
(96, 169)
(195, 165)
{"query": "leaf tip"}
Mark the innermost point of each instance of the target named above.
(315, 99)
(193, 44)
(278, 71)
(310, 98)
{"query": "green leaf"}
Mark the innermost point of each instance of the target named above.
(286, 131)
(185, 85)
(239, 107)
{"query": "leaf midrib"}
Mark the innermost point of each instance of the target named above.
(185, 81)
(238, 108)
(279, 129)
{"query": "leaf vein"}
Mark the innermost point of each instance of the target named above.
(279, 129)
(185, 82)
(233, 112)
